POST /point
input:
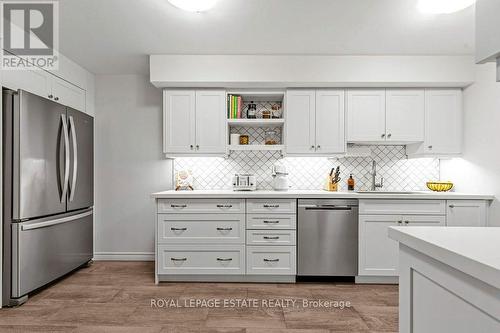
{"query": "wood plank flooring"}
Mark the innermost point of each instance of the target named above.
(116, 297)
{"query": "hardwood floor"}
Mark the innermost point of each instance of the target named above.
(116, 297)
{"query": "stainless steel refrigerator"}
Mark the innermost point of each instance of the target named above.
(47, 192)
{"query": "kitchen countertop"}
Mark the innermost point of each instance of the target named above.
(317, 194)
(474, 251)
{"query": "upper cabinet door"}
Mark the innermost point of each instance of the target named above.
(68, 94)
(443, 121)
(487, 30)
(405, 115)
(36, 82)
(210, 121)
(330, 123)
(365, 115)
(300, 121)
(179, 121)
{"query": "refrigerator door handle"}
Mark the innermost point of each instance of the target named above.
(66, 158)
(54, 222)
(75, 158)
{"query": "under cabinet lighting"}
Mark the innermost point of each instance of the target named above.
(443, 6)
(194, 5)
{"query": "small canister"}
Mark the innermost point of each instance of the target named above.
(244, 139)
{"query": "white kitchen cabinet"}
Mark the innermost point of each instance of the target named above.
(67, 94)
(315, 123)
(300, 121)
(330, 122)
(179, 121)
(405, 115)
(210, 121)
(385, 115)
(44, 84)
(366, 115)
(443, 124)
(487, 28)
(194, 122)
(378, 254)
(466, 213)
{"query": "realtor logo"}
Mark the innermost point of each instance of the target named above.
(29, 34)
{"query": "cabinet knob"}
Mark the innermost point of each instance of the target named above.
(51, 96)
(197, 147)
(400, 222)
(312, 147)
(389, 135)
(56, 98)
(407, 222)
(318, 147)
(430, 147)
(191, 146)
(382, 136)
(451, 206)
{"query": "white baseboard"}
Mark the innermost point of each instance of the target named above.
(124, 256)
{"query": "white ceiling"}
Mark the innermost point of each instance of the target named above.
(115, 36)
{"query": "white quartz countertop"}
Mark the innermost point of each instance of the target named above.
(472, 250)
(317, 194)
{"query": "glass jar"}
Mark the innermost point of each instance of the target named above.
(271, 137)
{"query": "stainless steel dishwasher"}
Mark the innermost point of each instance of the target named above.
(327, 237)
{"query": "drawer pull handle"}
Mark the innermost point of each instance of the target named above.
(271, 222)
(224, 259)
(271, 238)
(400, 222)
(178, 229)
(178, 259)
(271, 206)
(224, 229)
(271, 260)
(224, 206)
(407, 222)
(178, 206)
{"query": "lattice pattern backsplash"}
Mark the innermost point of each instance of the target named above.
(308, 173)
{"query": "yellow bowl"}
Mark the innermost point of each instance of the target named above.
(439, 186)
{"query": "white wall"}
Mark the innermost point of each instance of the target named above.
(129, 165)
(479, 169)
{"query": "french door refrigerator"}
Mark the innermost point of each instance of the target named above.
(48, 192)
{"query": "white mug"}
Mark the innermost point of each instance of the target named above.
(234, 139)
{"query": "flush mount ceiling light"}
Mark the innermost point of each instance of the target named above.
(194, 5)
(443, 6)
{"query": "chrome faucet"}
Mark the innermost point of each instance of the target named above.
(373, 173)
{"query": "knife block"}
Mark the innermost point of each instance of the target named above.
(330, 185)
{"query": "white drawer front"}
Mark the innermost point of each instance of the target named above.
(201, 229)
(408, 207)
(271, 237)
(206, 259)
(271, 260)
(275, 206)
(203, 206)
(271, 221)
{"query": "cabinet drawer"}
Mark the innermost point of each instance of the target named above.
(201, 229)
(271, 260)
(408, 207)
(277, 206)
(271, 237)
(202, 206)
(207, 259)
(271, 222)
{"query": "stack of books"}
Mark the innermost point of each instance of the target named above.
(234, 107)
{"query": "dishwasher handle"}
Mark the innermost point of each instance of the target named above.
(327, 207)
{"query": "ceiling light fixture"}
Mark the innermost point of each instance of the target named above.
(194, 5)
(443, 6)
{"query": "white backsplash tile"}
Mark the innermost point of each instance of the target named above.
(308, 173)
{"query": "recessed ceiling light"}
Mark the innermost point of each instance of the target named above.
(194, 5)
(443, 6)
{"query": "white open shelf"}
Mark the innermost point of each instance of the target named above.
(259, 95)
(255, 147)
(256, 122)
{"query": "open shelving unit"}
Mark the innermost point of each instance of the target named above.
(256, 128)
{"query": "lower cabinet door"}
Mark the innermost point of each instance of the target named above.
(201, 259)
(378, 254)
(271, 260)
